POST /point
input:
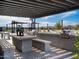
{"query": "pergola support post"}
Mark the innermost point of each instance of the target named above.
(33, 25)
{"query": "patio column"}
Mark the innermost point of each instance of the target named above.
(47, 27)
(6, 26)
(12, 27)
(33, 26)
(29, 26)
(62, 23)
(38, 26)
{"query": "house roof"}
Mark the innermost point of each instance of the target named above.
(36, 8)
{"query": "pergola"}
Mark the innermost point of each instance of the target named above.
(36, 8)
(15, 23)
(31, 25)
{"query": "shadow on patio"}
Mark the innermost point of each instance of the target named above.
(55, 53)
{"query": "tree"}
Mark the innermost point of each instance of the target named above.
(77, 26)
(58, 25)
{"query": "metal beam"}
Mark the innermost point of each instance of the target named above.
(33, 13)
(61, 2)
(30, 3)
(15, 4)
(71, 2)
(38, 11)
(31, 8)
(35, 9)
(52, 3)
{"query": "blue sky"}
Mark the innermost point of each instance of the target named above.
(70, 18)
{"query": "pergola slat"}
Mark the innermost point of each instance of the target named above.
(30, 3)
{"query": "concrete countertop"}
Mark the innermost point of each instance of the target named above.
(23, 37)
(50, 33)
(41, 40)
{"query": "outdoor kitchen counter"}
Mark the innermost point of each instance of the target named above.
(55, 33)
(23, 43)
(58, 40)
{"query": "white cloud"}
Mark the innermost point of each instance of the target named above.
(46, 17)
(68, 14)
(45, 24)
(69, 23)
(10, 18)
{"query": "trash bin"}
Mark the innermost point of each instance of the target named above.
(1, 29)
